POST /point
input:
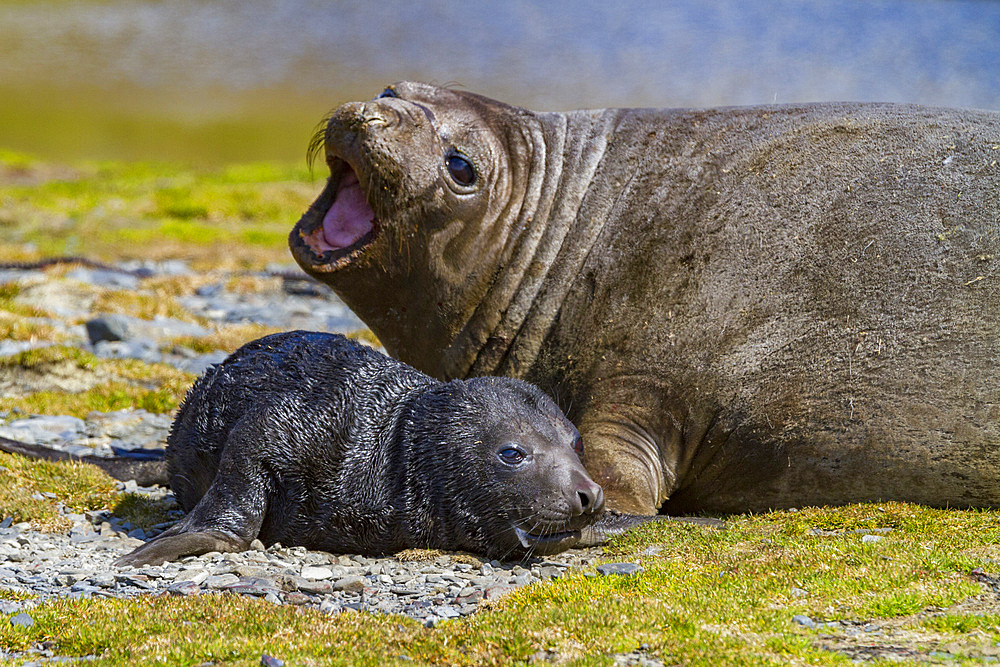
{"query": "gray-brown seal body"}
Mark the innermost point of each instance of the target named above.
(740, 308)
(311, 439)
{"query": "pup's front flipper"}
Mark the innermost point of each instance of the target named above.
(230, 514)
(168, 547)
(614, 523)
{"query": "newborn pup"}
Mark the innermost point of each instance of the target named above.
(311, 439)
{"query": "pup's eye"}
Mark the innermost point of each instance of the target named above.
(388, 92)
(461, 170)
(511, 455)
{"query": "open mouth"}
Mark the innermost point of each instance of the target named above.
(339, 225)
(548, 542)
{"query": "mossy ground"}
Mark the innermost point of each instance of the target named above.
(925, 590)
(704, 597)
(229, 217)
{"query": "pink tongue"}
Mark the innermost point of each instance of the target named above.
(350, 217)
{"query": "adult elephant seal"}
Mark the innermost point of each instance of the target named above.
(741, 308)
(311, 439)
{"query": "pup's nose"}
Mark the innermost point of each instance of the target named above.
(589, 498)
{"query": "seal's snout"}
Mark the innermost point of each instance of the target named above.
(360, 116)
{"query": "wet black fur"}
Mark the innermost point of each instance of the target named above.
(312, 439)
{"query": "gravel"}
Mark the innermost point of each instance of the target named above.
(78, 563)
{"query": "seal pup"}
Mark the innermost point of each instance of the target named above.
(311, 439)
(740, 308)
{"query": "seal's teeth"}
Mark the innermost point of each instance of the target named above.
(522, 536)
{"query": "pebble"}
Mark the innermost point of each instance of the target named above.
(313, 572)
(625, 569)
(804, 621)
(22, 620)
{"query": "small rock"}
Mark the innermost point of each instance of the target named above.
(472, 597)
(103, 579)
(804, 621)
(9, 606)
(22, 620)
(329, 606)
(625, 569)
(108, 327)
(217, 581)
(195, 576)
(315, 587)
(256, 545)
(314, 572)
(184, 588)
(798, 593)
(497, 592)
(350, 584)
(446, 611)
(270, 661)
(522, 579)
(255, 586)
(871, 539)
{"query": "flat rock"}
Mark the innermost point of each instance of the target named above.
(625, 569)
(350, 584)
(314, 572)
(22, 620)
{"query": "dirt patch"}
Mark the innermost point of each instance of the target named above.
(64, 375)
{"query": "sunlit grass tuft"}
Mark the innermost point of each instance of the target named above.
(232, 217)
(77, 486)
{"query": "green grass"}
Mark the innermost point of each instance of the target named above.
(235, 216)
(79, 487)
(141, 511)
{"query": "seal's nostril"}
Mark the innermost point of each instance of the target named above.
(598, 504)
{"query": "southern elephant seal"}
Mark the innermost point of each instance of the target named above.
(310, 439)
(740, 308)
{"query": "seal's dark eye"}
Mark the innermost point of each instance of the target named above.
(388, 92)
(511, 455)
(578, 445)
(461, 170)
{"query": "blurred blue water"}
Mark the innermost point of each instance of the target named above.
(246, 79)
(545, 54)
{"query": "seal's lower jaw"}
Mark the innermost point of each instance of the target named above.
(338, 227)
(547, 544)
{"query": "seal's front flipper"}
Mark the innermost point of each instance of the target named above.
(612, 524)
(229, 516)
(168, 547)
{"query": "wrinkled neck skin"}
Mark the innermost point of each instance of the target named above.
(545, 249)
(497, 282)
